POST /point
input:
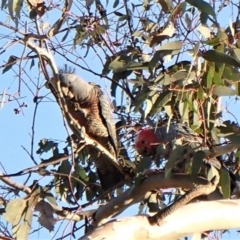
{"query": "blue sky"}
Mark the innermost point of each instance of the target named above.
(16, 129)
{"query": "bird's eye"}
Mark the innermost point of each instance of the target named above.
(143, 141)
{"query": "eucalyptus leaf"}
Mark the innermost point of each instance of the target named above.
(215, 56)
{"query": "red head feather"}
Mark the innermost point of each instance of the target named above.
(146, 142)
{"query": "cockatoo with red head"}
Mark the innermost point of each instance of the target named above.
(148, 140)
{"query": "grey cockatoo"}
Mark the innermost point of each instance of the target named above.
(90, 108)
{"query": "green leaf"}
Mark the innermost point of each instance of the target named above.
(137, 66)
(106, 70)
(200, 93)
(65, 167)
(175, 155)
(207, 110)
(32, 64)
(223, 91)
(120, 63)
(45, 145)
(234, 138)
(180, 75)
(46, 218)
(46, 193)
(212, 42)
(144, 164)
(164, 79)
(230, 131)
(197, 163)
(166, 5)
(230, 73)
(3, 4)
(137, 34)
(113, 89)
(225, 182)
(35, 195)
(215, 56)
(161, 101)
(82, 174)
(182, 65)
(236, 54)
(14, 8)
(149, 104)
(118, 14)
(203, 18)
(140, 98)
(202, 6)
(175, 46)
(183, 107)
(123, 18)
(169, 48)
(100, 29)
(14, 210)
(121, 75)
(205, 31)
(223, 37)
(80, 35)
(24, 228)
(11, 61)
(116, 2)
(188, 21)
(212, 173)
(210, 75)
(219, 68)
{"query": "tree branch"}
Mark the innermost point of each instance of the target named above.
(192, 218)
(14, 185)
(73, 216)
(217, 151)
(136, 193)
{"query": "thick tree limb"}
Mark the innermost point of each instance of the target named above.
(136, 193)
(192, 218)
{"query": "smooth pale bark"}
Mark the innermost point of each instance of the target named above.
(192, 218)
